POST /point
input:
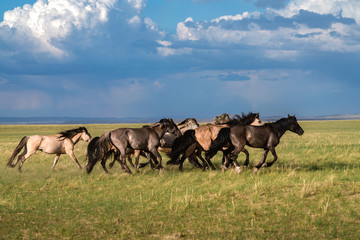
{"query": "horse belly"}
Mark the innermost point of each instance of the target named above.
(51, 146)
(256, 140)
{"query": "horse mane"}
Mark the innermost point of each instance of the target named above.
(162, 121)
(187, 119)
(281, 123)
(72, 132)
(243, 119)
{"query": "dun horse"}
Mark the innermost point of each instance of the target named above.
(266, 137)
(61, 143)
(146, 139)
(201, 138)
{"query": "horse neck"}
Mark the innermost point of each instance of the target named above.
(76, 138)
(159, 131)
(184, 128)
(281, 126)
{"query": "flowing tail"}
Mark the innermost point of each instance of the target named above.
(221, 140)
(20, 146)
(180, 145)
(98, 148)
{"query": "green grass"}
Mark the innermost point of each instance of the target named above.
(311, 192)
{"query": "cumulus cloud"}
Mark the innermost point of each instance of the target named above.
(344, 8)
(45, 22)
(52, 29)
(278, 35)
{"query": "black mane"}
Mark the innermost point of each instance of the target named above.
(72, 132)
(244, 119)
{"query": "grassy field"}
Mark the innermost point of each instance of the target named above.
(311, 192)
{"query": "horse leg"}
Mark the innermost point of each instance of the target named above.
(205, 164)
(123, 161)
(129, 158)
(137, 158)
(19, 158)
(234, 156)
(24, 157)
(103, 164)
(246, 163)
(194, 161)
(55, 161)
(257, 167)
(158, 157)
(208, 157)
(182, 159)
(111, 165)
(70, 152)
(269, 164)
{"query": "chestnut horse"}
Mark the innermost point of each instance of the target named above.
(201, 138)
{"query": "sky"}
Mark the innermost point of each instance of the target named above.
(179, 58)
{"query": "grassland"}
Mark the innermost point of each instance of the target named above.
(311, 192)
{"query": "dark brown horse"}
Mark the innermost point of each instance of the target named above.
(201, 138)
(61, 143)
(266, 137)
(146, 139)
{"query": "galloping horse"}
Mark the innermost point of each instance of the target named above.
(202, 137)
(146, 139)
(165, 146)
(266, 136)
(168, 140)
(61, 143)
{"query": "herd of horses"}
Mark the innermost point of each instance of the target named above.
(186, 140)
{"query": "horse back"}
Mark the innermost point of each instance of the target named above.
(206, 134)
(45, 143)
(136, 138)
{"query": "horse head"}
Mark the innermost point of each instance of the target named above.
(85, 135)
(256, 121)
(169, 125)
(294, 125)
(187, 124)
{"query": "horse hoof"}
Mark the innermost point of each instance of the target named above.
(238, 169)
(255, 171)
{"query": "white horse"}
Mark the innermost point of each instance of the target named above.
(61, 143)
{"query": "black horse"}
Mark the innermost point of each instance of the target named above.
(266, 136)
(146, 139)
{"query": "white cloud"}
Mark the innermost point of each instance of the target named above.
(138, 4)
(284, 39)
(136, 20)
(52, 20)
(344, 8)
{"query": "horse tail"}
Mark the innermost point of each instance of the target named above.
(97, 149)
(180, 145)
(222, 138)
(20, 146)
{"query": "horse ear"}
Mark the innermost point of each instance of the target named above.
(288, 115)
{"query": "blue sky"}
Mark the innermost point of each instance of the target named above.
(179, 58)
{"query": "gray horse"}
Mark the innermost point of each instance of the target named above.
(145, 139)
